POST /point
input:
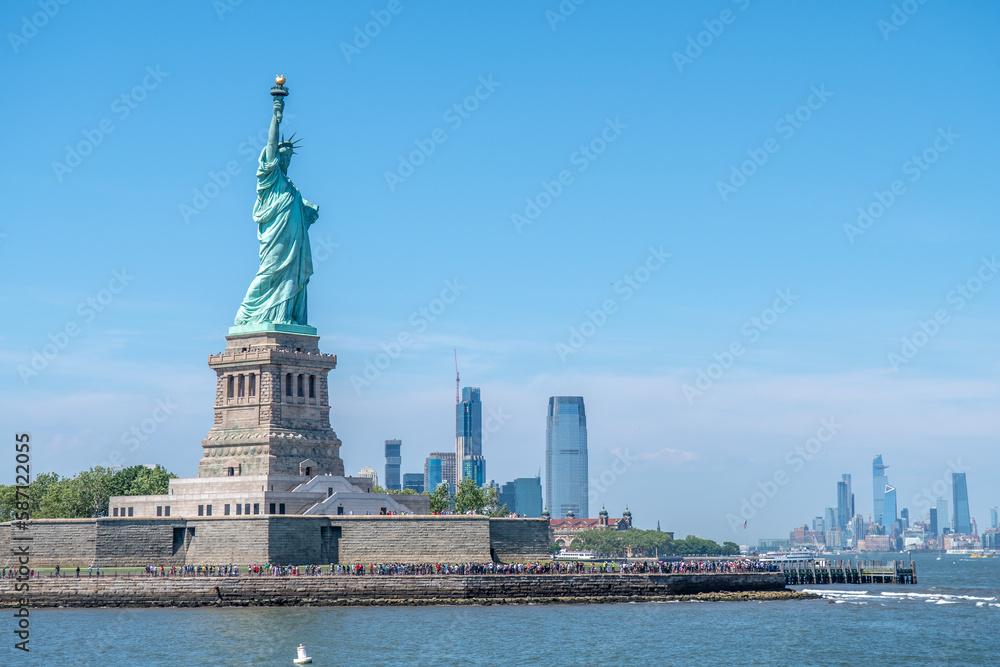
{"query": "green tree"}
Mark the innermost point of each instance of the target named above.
(440, 498)
(86, 494)
(469, 497)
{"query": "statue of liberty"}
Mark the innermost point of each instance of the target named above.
(277, 294)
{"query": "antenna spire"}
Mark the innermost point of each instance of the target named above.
(457, 401)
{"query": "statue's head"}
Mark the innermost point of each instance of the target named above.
(286, 149)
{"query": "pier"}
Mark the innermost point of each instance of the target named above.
(849, 572)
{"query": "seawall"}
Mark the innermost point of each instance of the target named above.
(137, 542)
(142, 591)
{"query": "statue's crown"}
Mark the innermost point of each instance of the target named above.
(288, 145)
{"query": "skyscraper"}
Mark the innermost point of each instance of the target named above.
(934, 521)
(889, 510)
(469, 461)
(845, 501)
(830, 519)
(566, 457)
(392, 463)
(960, 499)
(944, 517)
(414, 481)
(523, 496)
(879, 482)
(439, 467)
(994, 518)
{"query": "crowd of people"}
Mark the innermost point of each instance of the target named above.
(415, 569)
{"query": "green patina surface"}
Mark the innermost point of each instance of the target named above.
(277, 294)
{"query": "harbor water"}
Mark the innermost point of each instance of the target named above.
(950, 617)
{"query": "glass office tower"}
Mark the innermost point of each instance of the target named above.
(879, 483)
(944, 516)
(960, 499)
(566, 457)
(392, 463)
(413, 481)
(889, 510)
(439, 467)
(523, 496)
(845, 502)
(469, 437)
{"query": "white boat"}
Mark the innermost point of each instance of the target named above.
(575, 555)
(788, 557)
(303, 659)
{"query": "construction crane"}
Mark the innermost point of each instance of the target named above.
(457, 401)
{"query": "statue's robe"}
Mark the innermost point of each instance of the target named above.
(277, 294)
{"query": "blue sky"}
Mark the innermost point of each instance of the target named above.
(133, 133)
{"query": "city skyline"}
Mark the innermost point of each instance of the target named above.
(837, 302)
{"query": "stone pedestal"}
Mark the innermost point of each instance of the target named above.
(272, 407)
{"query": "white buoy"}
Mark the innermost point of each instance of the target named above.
(303, 659)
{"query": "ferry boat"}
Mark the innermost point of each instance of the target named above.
(575, 555)
(788, 557)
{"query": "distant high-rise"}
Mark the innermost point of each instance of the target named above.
(879, 483)
(830, 519)
(566, 457)
(469, 459)
(994, 518)
(369, 472)
(904, 517)
(392, 463)
(889, 509)
(960, 499)
(414, 481)
(944, 517)
(523, 496)
(439, 467)
(845, 502)
(934, 521)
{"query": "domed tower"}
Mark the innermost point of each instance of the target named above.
(602, 518)
(627, 517)
(570, 514)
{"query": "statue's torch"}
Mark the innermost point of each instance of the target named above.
(279, 90)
